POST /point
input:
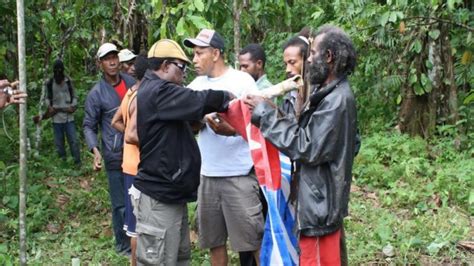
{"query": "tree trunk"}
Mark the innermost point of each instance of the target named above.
(450, 88)
(237, 9)
(419, 114)
(23, 140)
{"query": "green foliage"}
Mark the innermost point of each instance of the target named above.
(408, 171)
(414, 196)
(417, 238)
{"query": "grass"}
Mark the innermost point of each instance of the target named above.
(409, 198)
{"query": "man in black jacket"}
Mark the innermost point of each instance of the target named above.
(101, 104)
(170, 162)
(323, 144)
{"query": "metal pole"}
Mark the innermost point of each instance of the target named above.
(23, 140)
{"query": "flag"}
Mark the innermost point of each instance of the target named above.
(273, 170)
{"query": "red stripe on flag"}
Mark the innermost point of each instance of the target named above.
(266, 158)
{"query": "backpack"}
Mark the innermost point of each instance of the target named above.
(49, 86)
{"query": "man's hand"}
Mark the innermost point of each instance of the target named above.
(219, 126)
(12, 96)
(71, 109)
(231, 95)
(252, 101)
(97, 159)
(51, 110)
(17, 97)
(5, 83)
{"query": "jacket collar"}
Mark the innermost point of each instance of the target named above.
(129, 81)
(149, 74)
(319, 93)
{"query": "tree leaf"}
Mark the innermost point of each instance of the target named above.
(399, 99)
(469, 99)
(466, 58)
(423, 79)
(416, 46)
(199, 5)
(384, 18)
(198, 22)
(434, 247)
(317, 14)
(450, 4)
(180, 27)
(393, 17)
(418, 89)
(434, 34)
(163, 27)
(400, 15)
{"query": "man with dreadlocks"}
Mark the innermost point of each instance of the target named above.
(295, 53)
(62, 103)
(322, 142)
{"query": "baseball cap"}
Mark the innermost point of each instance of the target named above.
(126, 55)
(206, 38)
(106, 48)
(166, 48)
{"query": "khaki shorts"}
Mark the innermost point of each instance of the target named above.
(230, 207)
(162, 232)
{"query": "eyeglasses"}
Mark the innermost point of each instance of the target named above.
(182, 67)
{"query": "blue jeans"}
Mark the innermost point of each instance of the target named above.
(117, 198)
(67, 129)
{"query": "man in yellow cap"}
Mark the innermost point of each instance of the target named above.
(170, 162)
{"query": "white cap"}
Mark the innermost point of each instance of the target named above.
(126, 55)
(106, 48)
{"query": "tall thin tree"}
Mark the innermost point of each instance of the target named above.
(23, 141)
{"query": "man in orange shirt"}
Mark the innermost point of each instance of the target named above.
(125, 120)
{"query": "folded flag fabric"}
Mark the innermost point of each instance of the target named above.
(273, 170)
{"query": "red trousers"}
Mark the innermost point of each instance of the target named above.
(324, 250)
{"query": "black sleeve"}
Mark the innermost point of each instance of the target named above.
(179, 103)
(216, 101)
(315, 143)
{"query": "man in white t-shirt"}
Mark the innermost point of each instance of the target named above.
(228, 196)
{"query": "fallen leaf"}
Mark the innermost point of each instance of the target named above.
(107, 232)
(371, 195)
(193, 236)
(62, 200)
(51, 183)
(54, 228)
(401, 28)
(467, 245)
(75, 224)
(355, 188)
(85, 184)
(388, 251)
(436, 199)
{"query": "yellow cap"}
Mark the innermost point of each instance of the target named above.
(167, 49)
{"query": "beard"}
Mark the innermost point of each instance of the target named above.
(318, 71)
(58, 76)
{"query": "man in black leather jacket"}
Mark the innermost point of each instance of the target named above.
(323, 144)
(170, 161)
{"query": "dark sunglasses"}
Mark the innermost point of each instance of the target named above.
(179, 65)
